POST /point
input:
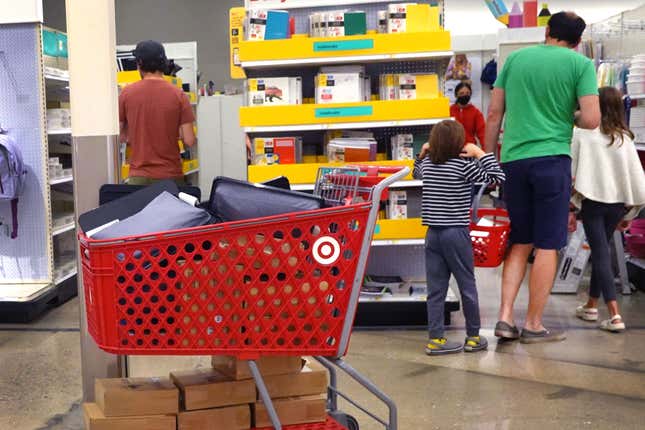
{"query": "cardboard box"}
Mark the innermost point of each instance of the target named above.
(136, 396)
(208, 388)
(297, 410)
(239, 369)
(276, 150)
(231, 418)
(382, 21)
(397, 17)
(96, 420)
(311, 380)
(355, 23)
(336, 24)
(277, 25)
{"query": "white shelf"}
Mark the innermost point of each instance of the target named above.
(61, 180)
(63, 229)
(400, 184)
(191, 172)
(22, 292)
(399, 242)
(637, 96)
(344, 125)
(61, 131)
(299, 4)
(347, 59)
(66, 276)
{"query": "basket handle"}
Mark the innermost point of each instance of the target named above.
(375, 170)
(477, 201)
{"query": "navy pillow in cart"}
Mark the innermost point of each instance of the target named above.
(233, 200)
(177, 214)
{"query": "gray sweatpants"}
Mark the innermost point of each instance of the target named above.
(450, 251)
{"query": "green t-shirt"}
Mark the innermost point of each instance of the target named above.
(543, 84)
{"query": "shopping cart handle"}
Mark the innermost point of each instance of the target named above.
(374, 170)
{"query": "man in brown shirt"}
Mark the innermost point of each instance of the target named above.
(153, 115)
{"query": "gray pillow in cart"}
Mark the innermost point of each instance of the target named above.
(165, 212)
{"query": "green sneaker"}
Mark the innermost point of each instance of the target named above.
(475, 343)
(442, 346)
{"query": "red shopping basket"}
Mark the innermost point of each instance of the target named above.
(281, 285)
(489, 231)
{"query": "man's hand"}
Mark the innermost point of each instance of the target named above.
(472, 151)
(425, 151)
(624, 225)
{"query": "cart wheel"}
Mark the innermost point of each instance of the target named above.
(352, 424)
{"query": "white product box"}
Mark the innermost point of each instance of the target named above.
(382, 21)
(389, 87)
(339, 88)
(396, 17)
(402, 147)
(274, 91)
(257, 24)
(367, 88)
(573, 263)
(336, 23)
(407, 87)
(398, 205)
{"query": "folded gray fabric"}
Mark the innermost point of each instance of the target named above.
(165, 212)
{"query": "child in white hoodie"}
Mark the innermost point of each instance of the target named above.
(609, 190)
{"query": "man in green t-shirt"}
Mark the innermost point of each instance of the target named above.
(539, 90)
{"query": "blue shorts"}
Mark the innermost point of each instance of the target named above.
(537, 194)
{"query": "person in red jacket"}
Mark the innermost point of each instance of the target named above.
(468, 115)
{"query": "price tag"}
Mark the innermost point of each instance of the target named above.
(341, 112)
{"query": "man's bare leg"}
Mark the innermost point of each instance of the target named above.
(512, 277)
(540, 284)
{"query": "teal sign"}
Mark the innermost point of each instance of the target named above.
(377, 229)
(341, 112)
(344, 45)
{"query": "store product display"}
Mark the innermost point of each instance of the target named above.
(274, 91)
(398, 204)
(266, 151)
(340, 88)
(338, 23)
(268, 25)
(412, 17)
(58, 119)
(13, 173)
(408, 86)
(544, 16)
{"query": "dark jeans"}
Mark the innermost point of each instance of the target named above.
(450, 251)
(600, 221)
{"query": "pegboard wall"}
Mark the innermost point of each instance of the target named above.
(27, 258)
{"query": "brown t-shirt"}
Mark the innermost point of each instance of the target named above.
(153, 110)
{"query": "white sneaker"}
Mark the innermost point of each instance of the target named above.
(587, 314)
(612, 326)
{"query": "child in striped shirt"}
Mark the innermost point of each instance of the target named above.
(449, 168)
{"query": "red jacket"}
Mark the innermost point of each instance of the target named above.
(472, 120)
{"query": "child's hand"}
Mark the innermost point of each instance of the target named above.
(472, 151)
(425, 151)
(624, 226)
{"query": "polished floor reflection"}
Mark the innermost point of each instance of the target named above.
(593, 380)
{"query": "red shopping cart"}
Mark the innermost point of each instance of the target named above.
(281, 285)
(489, 231)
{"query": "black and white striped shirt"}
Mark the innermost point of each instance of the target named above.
(448, 188)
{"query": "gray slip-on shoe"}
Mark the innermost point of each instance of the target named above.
(443, 346)
(543, 336)
(506, 331)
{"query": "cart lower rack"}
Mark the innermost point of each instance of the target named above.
(281, 285)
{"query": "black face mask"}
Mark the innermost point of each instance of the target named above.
(463, 100)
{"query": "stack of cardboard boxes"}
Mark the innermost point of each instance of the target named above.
(223, 397)
(133, 404)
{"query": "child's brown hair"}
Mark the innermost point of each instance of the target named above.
(447, 140)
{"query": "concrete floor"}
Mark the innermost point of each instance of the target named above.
(594, 380)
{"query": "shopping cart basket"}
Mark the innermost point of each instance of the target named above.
(281, 285)
(489, 232)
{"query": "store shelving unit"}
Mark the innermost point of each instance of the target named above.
(427, 52)
(39, 266)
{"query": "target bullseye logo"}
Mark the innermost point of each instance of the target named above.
(326, 250)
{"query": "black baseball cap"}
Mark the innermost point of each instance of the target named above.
(150, 51)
